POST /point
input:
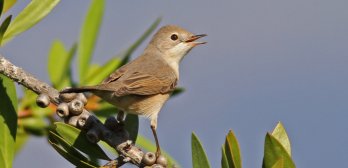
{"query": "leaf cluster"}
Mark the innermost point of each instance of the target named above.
(33, 120)
(21, 118)
(277, 151)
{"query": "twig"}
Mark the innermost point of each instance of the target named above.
(118, 139)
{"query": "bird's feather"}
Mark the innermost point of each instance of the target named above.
(158, 77)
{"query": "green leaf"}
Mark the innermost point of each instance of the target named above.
(35, 125)
(132, 126)
(146, 144)
(199, 158)
(4, 26)
(78, 139)
(34, 12)
(8, 4)
(59, 61)
(232, 151)
(224, 161)
(101, 72)
(1, 6)
(21, 138)
(71, 158)
(93, 68)
(126, 54)
(280, 134)
(279, 163)
(88, 37)
(274, 151)
(53, 137)
(177, 91)
(8, 121)
(57, 58)
(107, 147)
(28, 99)
(97, 75)
(3, 160)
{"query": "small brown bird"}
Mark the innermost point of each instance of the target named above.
(143, 85)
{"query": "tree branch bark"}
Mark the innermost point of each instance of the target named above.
(117, 139)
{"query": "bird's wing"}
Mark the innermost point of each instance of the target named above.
(147, 84)
(116, 75)
(138, 79)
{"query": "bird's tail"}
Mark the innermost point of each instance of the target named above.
(79, 89)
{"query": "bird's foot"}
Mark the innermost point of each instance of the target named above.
(158, 153)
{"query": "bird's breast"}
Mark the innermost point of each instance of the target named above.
(137, 104)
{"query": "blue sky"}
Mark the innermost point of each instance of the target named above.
(265, 61)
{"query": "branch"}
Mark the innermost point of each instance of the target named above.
(117, 138)
(27, 80)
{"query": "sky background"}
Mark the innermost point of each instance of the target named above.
(265, 61)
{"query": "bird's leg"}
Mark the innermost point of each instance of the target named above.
(153, 128)
(158, 150)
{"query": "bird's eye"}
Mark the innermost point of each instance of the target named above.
(174, 37)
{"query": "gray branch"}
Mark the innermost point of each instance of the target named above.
(118, 138)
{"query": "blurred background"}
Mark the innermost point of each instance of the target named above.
(265, 61)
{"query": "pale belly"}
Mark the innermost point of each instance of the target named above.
(136, 104)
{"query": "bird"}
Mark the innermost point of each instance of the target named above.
(143, 85)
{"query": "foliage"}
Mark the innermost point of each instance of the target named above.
(11, 138)
(69, 141)
(8, 121)
(231, 151)
(33, 120)
(276, 151)
(35, 11)
(88, 37)
(199, 158)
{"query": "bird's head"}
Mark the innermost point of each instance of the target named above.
(174, 42)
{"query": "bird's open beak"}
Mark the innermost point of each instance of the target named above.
(192, 39)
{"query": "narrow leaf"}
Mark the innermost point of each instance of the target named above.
(280, 134)
(199, 158)
(224, 161)
(67, 75)
(59, 61)
(35, 125)
(107, 147)
(28, 99)
(56, 58)
(177, 91)
(7, 5)
(8, 120)
(92, 69)
(21, 139)
(279, 164)
(99, 74)
(126, 54)
(88, 37)
(71, 158)
(4, 27)
(3, 161)
(34, 12)
(232, 151)
(53, 137)
(274, 151)
(1, 6)
(78, 139)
